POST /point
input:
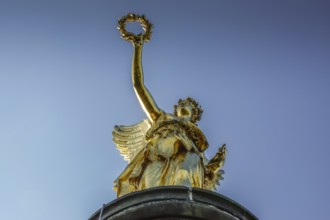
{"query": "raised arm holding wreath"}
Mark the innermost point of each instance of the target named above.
(164, 149)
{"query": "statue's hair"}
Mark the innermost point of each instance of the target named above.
(196, 108)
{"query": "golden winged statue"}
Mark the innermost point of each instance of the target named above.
(163, 149)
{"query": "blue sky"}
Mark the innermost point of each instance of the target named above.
(260, 69)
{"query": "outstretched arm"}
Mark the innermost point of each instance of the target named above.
(146, 100)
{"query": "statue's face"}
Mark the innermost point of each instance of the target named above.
(185, 112)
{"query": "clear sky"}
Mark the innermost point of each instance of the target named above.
(260, 69)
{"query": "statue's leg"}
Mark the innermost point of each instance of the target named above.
(191, 172)
(152, 174)
(182, 178)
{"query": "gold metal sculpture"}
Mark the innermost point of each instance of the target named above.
(164, 149)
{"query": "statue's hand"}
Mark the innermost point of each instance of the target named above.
(138, 40)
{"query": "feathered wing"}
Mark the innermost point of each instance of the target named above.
(130, 140)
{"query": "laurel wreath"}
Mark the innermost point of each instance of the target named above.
(129, 36)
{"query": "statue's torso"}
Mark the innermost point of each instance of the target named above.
(166, 142)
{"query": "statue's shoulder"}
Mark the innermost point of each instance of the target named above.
(199, 137)
(164, 116)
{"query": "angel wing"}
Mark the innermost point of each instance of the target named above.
(130, 140)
